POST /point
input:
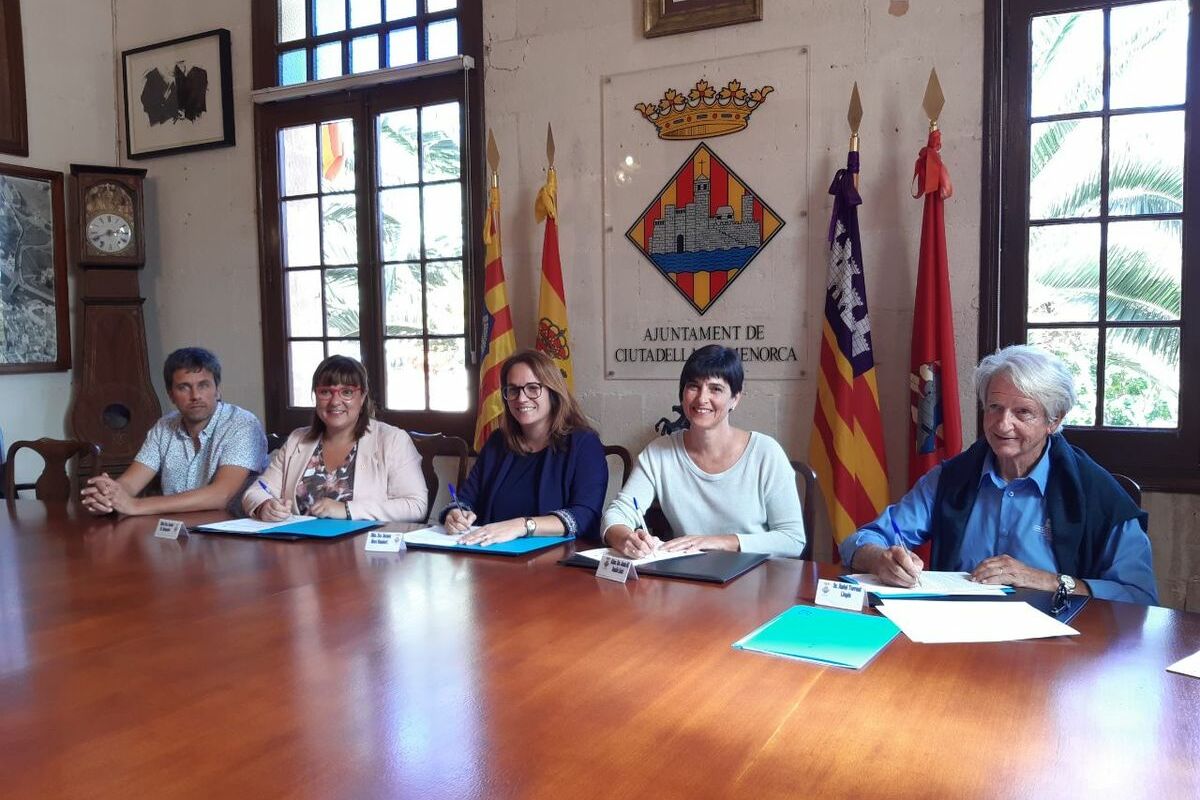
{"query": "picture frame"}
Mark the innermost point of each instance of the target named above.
(178, 95)
(14, 128)
(668, 17)
(35, 330)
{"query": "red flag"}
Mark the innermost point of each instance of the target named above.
(846, 449)
(936, 430)
(499, 341)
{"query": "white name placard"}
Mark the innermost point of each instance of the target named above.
(616, 569)
(838, 594)
(385, 542)
(170, 529)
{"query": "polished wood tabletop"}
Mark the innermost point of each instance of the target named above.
(219, 666)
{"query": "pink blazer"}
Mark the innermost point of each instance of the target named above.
(388, 483)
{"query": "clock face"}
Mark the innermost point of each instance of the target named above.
(109, 233)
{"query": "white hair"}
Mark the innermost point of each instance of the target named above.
(1036, 373)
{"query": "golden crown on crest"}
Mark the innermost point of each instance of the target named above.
(704, 111)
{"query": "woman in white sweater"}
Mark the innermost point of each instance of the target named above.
(720, 487)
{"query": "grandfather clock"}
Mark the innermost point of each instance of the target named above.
(113, 401)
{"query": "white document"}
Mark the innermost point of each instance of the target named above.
(941, 621)
(435, 536)
(1187, 666)
(931, 583)
(250, 525)
(658, 555)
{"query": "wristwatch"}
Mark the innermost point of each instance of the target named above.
(530, 526)
(1067, 582)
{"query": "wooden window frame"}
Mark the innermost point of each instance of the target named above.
(1160, 459)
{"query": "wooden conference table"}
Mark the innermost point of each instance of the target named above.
(223, 667)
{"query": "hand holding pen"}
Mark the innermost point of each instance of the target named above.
(641, 543)
(274, 509)
(906, 566)
(458, 520)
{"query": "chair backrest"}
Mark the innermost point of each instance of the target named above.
(274, 442)
(616, 451)
(1131, 487)
(433, 445)
(808, 504)
(54, 484)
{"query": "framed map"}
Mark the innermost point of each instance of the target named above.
(35, 333)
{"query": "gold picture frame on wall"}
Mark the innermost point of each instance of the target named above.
(667, 17)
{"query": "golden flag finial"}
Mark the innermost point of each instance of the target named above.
(854, 116)
(934, 100)
(493, 157)
(549, 146)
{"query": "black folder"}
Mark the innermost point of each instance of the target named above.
(1038, 599)
(713, 566)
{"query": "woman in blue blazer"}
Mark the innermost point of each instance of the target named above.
(542, 473)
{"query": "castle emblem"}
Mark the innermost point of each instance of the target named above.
(703, 228)
(703, 111)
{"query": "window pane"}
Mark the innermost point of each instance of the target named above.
(1077, 348)
(341, 302)
(1145, 261)
(1064, 169)
(400, 223)
(440, 142)
(339, 224)
(448, 387)
(337, 156)
(364, 54)
(441, 39)
(444, 296)
(1141, 378)
(402, 47)
(293, 67)
(346, 347)
(330, 16)
(301, 244)
(364, 12)
(397, 147)
(1064, 273)
(402, 299)
(1145, 173)
(401, 9)
(304, 303)
(1149, 54)
(291, 20)
(405, 374)
(1067, 58)
(329, 60)
(439, 5)
(443, 220)
(298, 160)
(305, 356)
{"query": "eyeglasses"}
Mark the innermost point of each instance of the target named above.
(1022, 415)
(532, 390)
(347, 393)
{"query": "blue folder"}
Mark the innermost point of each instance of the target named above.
(513, 547)
(823, 636)
(306, 529)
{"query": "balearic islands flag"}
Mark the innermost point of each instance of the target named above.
(846, 449)
(552, 330)
(499, 341)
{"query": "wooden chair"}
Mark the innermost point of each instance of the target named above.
(54, 484)
(432, 445)
(623, 454)
(274, 442)
(808, 504)
(1130, 486)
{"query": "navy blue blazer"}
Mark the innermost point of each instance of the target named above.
(572, 487)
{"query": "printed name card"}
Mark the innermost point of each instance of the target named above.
(837, 594)
(385, 542)
(170, 529)
(616, 569)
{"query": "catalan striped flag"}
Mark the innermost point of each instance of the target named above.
(552, 330)
(846, 450)
(499, 341)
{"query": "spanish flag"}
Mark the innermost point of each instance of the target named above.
(498, 339)
(552, 338)
(846, 450)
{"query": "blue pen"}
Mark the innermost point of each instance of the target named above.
(453, 494)
(901, 543)
(266, 488)
(641, 517)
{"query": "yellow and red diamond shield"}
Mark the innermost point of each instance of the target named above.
(703, 228)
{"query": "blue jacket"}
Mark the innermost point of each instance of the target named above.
(573, 484)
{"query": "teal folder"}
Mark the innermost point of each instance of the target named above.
(513, 547)
(306, 529)
(822, 635)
